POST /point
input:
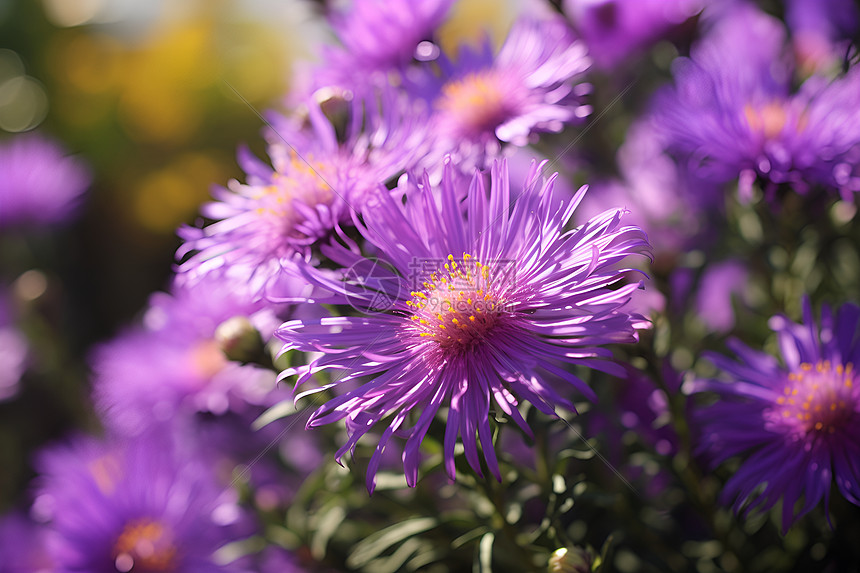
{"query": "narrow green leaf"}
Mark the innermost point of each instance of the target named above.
(280, 410)
(484, 562)
(377, 543)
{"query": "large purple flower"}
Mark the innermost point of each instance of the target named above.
(796, 422)
(140, 505)
(486, 307)
(530, 86)
(40, 184)
(317, 181)
(742, 121)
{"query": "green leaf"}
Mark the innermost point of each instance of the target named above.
(280, 410)
(484, 558)
(326, 525)
(374, 545)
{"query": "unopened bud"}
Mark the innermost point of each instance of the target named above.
(571, 560)
(239, 340)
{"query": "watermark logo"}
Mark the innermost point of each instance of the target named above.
(463, 273)
(373, 285)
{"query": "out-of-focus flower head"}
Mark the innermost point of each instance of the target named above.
(795, 421)
(821, 31)
(484, 308)
(177, 362)
(614, 30)
(572, 560)
(720, 282)
(147, 504)
(24, 546)
(40, 184)
(271, 462)
(274, 558)
(660, 198)
(830, 151)
(480, 100)
(743, 121)
(639, 407)
(378, 37)
(319, 180)
(14, 350)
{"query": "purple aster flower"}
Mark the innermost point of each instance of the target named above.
(830, 150)
(177, 361)
(41, 183)
(795, 422)
(743, 122)
(139, 505)
(616, 29)
(488, 307)
(317, 181)
(530, 86)
(379, 36)
(24, 546)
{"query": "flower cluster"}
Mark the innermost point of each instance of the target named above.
(467, 306)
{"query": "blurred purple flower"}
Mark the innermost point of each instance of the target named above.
(830, 150)
(796, 423)
(379, 36)
(639, 407)
(14, 351)
(479, 308)
(614, 30)
(661, 200)
(176, 363)
(719, 283)
(821, 31)
(275, 559)
(147, 504)
(317, 182)
(532, 85)
(741, 121)
(41, 184)
(24, 546)
(271, 461)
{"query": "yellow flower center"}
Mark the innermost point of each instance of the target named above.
(144, 546)
(771, 118)
(475, 103)
(297, 177)
(818, 398)
(459, 306)
(207, 359)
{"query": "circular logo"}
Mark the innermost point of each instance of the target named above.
(372, 285)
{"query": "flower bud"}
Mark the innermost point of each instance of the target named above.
(239, 340)
(571, 560)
